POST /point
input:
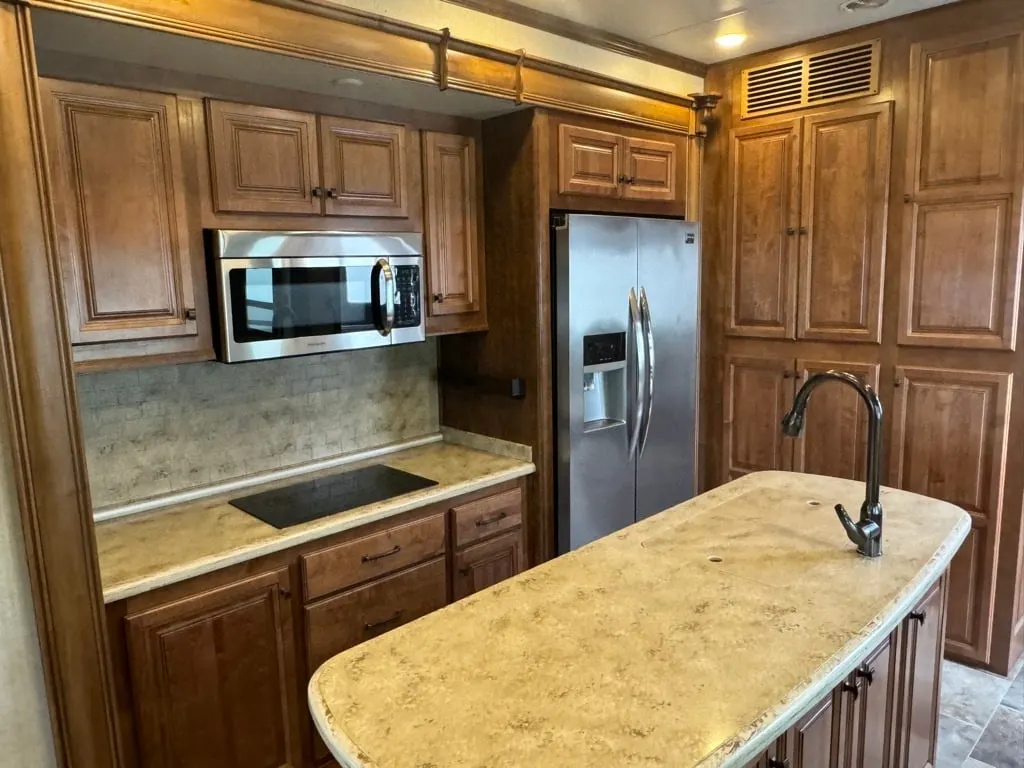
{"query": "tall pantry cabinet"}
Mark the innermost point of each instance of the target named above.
(864, 213)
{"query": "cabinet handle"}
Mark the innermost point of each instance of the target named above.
(847, 687)
(284, 592)
(370, 626)
(897, 382)
(438, 298)
(803, 230)
(790, 231)
(332, 193)
(907, 199)
(190, 314)
(775, 762)
(491, 520)
(317, 192)
(393, 551)
(866, 673)
(918, 616)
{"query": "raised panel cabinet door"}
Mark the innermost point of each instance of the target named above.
(651, 168)
(452, 210)
(950, 442)
(844, 204)
(920, 664)
(873, 711)
(589, 162)
(365, 168)
(834, 439)
(810, 743)
(263, 160)
(213, 678)
(960, 275)
(485, 564)
(119, 201)
(764, 173)
(758, 392)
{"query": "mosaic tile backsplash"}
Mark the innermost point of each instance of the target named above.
(153, 431)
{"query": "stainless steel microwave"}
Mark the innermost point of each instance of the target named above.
(280, 294)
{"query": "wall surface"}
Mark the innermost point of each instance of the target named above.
(25, 738)
(153, 431)
(493, 30)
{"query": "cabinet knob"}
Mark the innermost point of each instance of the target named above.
(438, 298)
(897, 382)
(190, 314)
(317, 192)
(866, 673)
(776, 762)
(803, 230)
(850, 688)
(918, 616)
(332, 193)
(284, 592)
(790, 231)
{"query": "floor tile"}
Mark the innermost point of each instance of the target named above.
(972, 763)
(1002, 743)
(956, 740)
(1015, 696)
(970, 695)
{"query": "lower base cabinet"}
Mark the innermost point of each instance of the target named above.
(212, 672)
(885, 713)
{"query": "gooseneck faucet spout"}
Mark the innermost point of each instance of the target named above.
(866, 533)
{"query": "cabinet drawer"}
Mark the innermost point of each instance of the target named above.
(340, 622)
(369, 557)
(487, 516)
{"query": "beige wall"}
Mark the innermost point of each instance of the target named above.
(495, 31)
(24, 719)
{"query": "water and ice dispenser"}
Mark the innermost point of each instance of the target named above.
(604, 381)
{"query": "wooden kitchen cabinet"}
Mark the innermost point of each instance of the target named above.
(961, 261)
(364, 168)
(949, 441)
(758, 392)
(453, 233)
(263, 160)
(806, 242)
(122, 222)
(810, 743)
(834, 439)
(868, 711)
(483, 565)
(598, 163)
(212, 677)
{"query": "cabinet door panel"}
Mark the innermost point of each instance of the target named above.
(764, 175)
(844, 212)
(485, 564)
(758, 392)
(115, 158)
(651, 168)
(263, 160)
(213, 675)
(874, 709)
(365, 168)
(834, 440)
(921, 659)
(810, 743)
(949, 442)
(589, 162)
(453, 249)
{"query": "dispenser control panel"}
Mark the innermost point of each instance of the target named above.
(604, 348)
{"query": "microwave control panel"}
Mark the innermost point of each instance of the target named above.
(407, 296)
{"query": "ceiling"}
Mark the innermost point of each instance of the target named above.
(689, 27)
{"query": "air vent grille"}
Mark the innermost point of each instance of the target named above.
(841, 73)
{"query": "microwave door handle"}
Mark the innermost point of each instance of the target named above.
(384, 296)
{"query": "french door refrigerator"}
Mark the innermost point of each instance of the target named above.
(626, 296)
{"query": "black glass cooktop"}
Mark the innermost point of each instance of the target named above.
(300, 503)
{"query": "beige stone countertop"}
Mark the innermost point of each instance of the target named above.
(643, 649)
(151, 550)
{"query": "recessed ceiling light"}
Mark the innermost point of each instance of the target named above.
(850, 6)
(730, 41)
(353, 81)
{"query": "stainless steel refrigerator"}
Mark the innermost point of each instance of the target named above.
(626, 335)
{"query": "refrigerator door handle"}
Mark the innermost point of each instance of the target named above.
(647, 327)
(636, 367)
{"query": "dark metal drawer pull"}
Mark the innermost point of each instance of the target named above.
(866, 673)
(850, 688)
(918, 616)
(491, 520)
(369, 627)
(393, 551)
(774, 762)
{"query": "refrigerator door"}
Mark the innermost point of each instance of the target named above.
(596, 269)
(669, 273)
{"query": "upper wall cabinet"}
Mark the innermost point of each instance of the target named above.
(453, 242)
(267, 160)
(603, 164)
(964, 172)
(807, 226)
(119, 199)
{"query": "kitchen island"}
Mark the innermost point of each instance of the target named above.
(738, 627)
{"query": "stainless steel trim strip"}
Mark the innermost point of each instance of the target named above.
(249, 244)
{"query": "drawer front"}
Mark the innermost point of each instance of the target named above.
(340, 622)
(487, 516)
(370, 557)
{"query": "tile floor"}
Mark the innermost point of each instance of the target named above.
(981, 719)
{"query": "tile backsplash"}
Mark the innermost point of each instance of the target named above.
(153, 431)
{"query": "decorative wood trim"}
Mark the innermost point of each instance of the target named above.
(372, 43)
(583, 33)
(39, 389)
